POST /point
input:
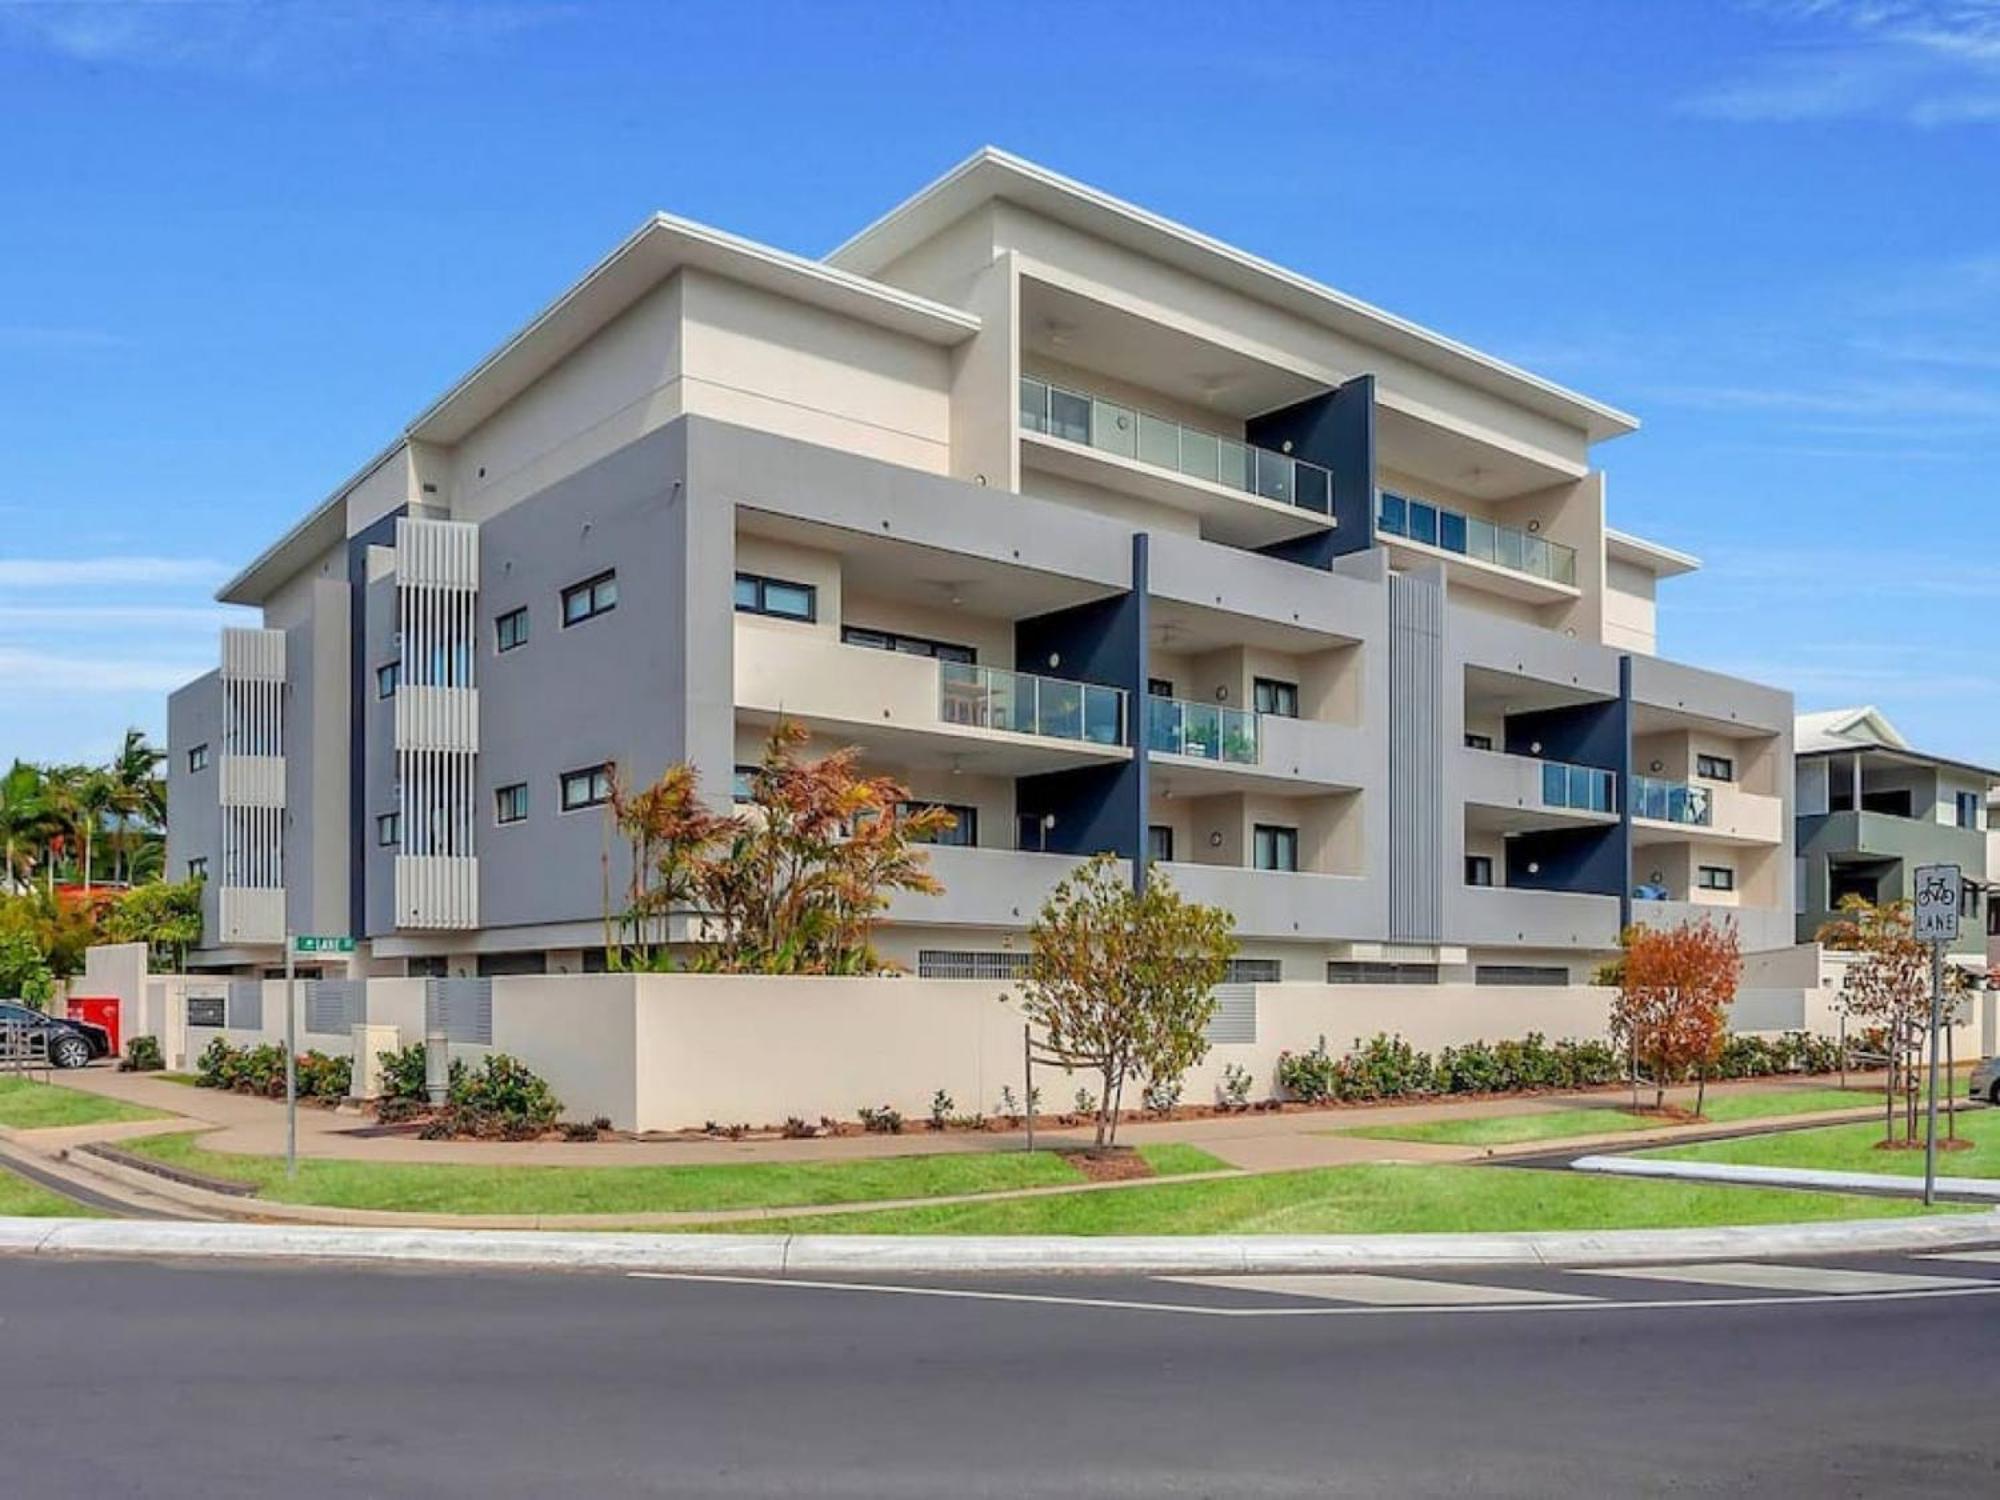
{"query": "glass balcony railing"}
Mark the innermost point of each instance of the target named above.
(1022, 703)
(1671, 801)
(1469, 536)
(1206, 731)
(1079, 417)
(1579, 788)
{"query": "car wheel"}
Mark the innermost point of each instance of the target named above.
(1993, 1094)
(70, 1052)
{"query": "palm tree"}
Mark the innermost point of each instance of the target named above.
(138, 796)
(20, 823)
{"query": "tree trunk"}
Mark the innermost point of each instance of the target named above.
(1950, 1084)
(1700, 1092)
(1106, 1121)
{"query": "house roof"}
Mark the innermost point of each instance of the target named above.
(991, 173)
(1843, 731)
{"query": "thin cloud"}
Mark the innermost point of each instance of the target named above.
(118, 614)
(73, 572)
(58, 672)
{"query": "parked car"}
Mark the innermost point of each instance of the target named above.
(69, 1044)
(1986, 1080)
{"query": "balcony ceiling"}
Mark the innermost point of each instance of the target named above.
(1071, 329)
(1190, 630)
(1457, 461)
(1648, 718)
(1489, 692)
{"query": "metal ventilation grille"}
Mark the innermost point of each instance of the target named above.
(970, 963)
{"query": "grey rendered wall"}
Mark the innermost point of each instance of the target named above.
(316, 790)
(378, 718)
(194, 812)
(619, 687)
(1416, 728)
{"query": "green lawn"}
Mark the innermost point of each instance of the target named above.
(452, 1188)
(20, 1198)
(1851, 1148)
(28, 1105)
(1558, 1124)
(1376, 1199)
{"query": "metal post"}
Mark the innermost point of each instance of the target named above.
(1930, 1128)
(1028, 1079)
(291, 1063)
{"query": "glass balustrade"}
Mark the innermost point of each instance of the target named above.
(1579, 788)
(1671, 801)
(1469, 536)
(1022, 703)
(1128, 432)
(1206, 731)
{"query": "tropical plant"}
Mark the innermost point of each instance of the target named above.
(1121, 981)
(165, 917)
(1674, 995)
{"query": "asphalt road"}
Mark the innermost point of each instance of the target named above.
(170, 1380)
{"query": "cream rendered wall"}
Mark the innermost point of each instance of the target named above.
(389, 484)
(1330, 828)
(1126, 392)
(1039, 484)
(293, 601)
(1631, 621)
(770, 558)
(992, 639)
(1572, 514)
(622, 384)
(759, 360)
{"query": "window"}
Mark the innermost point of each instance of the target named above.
(1716, 878)
(1347, 971)
(388, 830)
(1160, 843)
(1159, 687)
(970, 963)
(1479, 742)
(1252, 971)
(510, 803)
(198, 758)
(963, 834)
(907, 645)
(511, 629)
(1968, 809)
(589, 599)
(589, 787)
(1968, 900)
(387, 678)
(1275, 848)
(1548, 974)
(1270, 696)
(197, 869)
(1479, 869)
(775, 597)
(742, 783)
(1715, 768)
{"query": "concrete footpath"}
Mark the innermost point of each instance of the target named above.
(825, 1255)
(1820, 1179)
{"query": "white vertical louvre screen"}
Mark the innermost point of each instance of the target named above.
(251, 786)
(437, 723)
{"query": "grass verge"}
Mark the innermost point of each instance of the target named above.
(1563, 1124)
(1390, 1198)
(1851, 1148)
(450, 1187)
(26, 1104)
(20, 1198)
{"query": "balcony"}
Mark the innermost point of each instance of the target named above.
(1659, 801)
(1531, 793)
(1054, 708)
(1202, 731)
(1246, 495)
(1517, 917)
(1505, 559)
(1579, 788)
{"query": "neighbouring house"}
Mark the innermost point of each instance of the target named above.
(1871, 809)
(1097, 530)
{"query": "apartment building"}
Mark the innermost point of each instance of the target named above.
(1096, 530)
(1872, 810)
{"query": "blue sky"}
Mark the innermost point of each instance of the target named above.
(242, 243)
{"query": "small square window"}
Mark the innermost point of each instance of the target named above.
(510, 803)
(510, 630)
(742, 783)
(1479, 742)
(1160, 843)
(589, 599)
(198, 758)
(1716, 878)
(1715, 768)
(1479, 869)
(388, 677)
(388, 829)
(590, 787)
(1275, 848)
(1159, 687)
(197, 869)
(1968, 809)
(757, 595)
(1270, 696)
(964, 832)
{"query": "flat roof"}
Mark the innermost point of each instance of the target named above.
(991, 173)
(1656, 558)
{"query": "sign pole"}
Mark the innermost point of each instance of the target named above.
(291, 1062)
(1930, 1126)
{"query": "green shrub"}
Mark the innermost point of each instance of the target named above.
(142, 1055)
(1309, 1077)
(403, 1073)
(502, 1097)
(261, 1070)
(323, 1077)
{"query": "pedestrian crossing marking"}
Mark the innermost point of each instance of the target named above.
(1765, 1277)
(1380, 1291)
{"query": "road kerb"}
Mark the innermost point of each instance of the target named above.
(1746, 1173)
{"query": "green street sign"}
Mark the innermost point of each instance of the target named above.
(302, 943)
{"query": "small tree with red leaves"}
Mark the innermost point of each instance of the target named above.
(1673, 1001)
(1887, 986)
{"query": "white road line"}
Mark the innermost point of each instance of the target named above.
(1983, 1257)
(1942, 1287)
(1381, 1291)
(1764, 1277)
